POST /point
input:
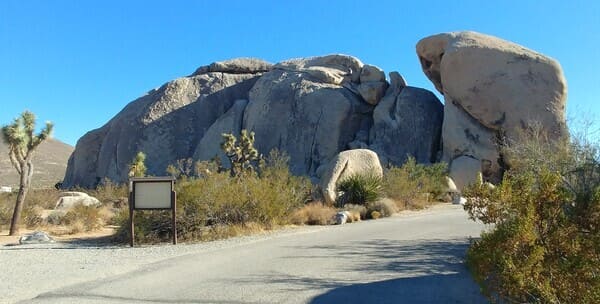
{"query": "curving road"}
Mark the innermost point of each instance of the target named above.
(411, 258)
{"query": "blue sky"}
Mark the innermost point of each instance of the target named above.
(77, 63)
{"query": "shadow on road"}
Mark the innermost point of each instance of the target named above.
(437, 288)
(420, 271)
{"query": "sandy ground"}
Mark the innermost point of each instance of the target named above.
(7, 240)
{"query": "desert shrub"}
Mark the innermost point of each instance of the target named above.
(359, 189)
(218, 199)
(32, 216)
(83, 218)
(406, 184)
(384, 206)
(36, 201)
(359, 209)
(55, 217)
(42, 198)
(375, 214)
(111, 194)
(7, 202)
(314, 213)
(545, 244)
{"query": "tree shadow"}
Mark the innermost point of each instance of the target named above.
(436, 288)
(390, 271)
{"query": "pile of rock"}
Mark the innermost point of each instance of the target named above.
(314, 108)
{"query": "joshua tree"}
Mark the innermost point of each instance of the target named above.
(21, 144)
(138, 167)
(243, 155)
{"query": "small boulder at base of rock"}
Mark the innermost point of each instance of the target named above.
(464, 171)
(341, 217)
(346, 164)
(38, 237)
(69, 199)
(458, 199)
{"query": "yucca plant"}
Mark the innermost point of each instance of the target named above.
(359, 189)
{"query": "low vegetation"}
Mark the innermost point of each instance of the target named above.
(359, 189)
(260, 193)
(411, 186)
(214, 202)
(38, 212)
(545, 244)
(415, 186)
(314, 213)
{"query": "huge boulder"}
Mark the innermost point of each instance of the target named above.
(493, 89)
(344, 165)
(311, 118)
(310, 108)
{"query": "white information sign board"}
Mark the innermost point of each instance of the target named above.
(152, 195)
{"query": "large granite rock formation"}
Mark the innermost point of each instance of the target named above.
(167, 123)
(311, 108)
(492, 89)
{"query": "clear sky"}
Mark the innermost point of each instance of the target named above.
(78, 63)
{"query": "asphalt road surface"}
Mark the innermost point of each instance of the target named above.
(411, 258)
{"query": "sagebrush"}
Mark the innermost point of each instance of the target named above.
(407, 184)
(545, 244)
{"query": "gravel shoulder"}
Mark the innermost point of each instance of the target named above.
(30, 270)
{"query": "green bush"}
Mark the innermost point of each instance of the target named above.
(218, 199)
(545, 244)
(359, 189)
(405, 184)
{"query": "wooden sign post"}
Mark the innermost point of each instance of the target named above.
(152, 193)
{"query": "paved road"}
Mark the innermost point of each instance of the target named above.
(414, 258)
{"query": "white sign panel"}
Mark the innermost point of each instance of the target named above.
(152, 195)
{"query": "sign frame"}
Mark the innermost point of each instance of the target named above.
(132, 203)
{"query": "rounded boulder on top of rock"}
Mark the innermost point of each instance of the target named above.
(344, 165)
(492, 89)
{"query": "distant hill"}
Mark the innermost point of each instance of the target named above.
(49, 163)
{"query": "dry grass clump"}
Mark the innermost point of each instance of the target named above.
(384, 207)
(356, 209)
(315, 213)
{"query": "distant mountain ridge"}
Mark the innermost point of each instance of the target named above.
(49, 164)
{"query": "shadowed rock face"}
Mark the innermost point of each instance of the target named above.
(311, 108)
(492, 89)
(401, 120)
